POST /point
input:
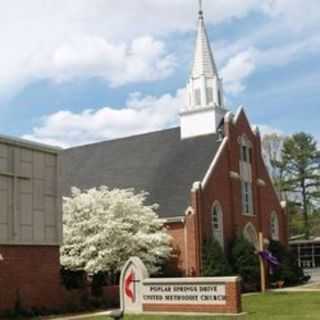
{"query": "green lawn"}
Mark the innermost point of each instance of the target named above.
(271, 306)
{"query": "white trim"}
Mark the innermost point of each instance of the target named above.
(191, 280)
(229, 117)
(234, 175)
(238, 112)
(196, 110)
(248, 214)
(214, 162)
(174, 220)
(196, 186)
(261, 182)
(29, 144)
(189, 211)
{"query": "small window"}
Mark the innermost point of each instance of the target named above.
(219, 98)
(247, 202)
(274, 226)
(217, 224)
(244, 153)
(197, 97)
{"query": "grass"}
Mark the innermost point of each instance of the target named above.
(270, 306)
(283, 306)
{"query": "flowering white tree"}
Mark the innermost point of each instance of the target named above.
(103, 228)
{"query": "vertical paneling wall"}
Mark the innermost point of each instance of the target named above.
(30, 210)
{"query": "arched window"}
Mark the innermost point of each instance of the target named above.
(249, 232)
(274, 225)
(217, 223)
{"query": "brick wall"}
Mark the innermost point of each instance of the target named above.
(30, 274)
(185, 244)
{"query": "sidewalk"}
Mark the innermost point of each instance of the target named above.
(107, 313)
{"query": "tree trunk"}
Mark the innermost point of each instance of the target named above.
(305, 212)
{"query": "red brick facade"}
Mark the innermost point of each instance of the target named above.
(29, 278)
(223, 185)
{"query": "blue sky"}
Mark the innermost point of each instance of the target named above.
(73, 72)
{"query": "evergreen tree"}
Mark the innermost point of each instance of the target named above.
(288, 269)
(301, 165)
(215, 263)
(245, 262)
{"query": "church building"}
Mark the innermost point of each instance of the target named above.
(207, 175)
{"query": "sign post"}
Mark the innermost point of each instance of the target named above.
(262, 264)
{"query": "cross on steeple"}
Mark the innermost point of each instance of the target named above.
(200, 7)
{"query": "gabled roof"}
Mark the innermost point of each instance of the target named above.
(159, 162)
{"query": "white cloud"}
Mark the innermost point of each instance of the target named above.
(241, 59)
(237, 70)
(116, 40)
(141, 114)
(119, 40)
(145, 60)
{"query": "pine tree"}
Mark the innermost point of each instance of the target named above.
(301, 165)
(215, 263)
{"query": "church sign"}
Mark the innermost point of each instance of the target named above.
(139, 293)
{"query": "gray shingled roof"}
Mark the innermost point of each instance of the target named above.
(159, 162)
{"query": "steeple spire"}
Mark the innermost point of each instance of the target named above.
(205, 106)
(203, 63)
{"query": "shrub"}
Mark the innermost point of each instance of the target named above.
(245, 262)
(73, 279)
(288, 270)
(215, 262)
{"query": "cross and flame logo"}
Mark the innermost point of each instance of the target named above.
(130, 286)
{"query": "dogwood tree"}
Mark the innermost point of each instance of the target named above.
(103, 228)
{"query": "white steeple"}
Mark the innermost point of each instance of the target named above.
(205, 106)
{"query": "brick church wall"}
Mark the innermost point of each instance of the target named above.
(221, 187)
